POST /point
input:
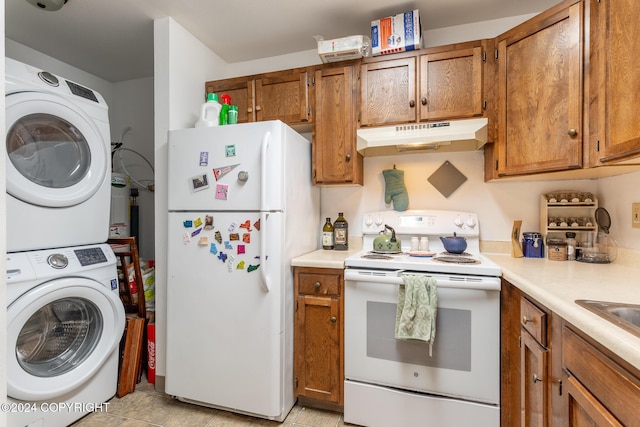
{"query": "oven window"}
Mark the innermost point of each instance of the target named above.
(451, 349)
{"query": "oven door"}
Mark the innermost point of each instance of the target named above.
(465, 359)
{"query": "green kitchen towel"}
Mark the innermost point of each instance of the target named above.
(417, 309)
(395, 189)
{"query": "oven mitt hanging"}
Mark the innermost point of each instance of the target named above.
(395, 189)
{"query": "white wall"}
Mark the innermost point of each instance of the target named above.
(132, 107)
(182, 64)
(616, 196)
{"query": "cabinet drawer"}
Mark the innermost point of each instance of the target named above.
(533, 320)
(319, 284)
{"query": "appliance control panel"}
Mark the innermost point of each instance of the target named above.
(422, 222)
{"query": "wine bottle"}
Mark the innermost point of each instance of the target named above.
(341, 233)
(327, 235)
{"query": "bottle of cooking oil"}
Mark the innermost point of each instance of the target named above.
(341, 233)
(327, 235)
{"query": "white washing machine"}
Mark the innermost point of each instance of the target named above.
(65, 321)
(58, 165)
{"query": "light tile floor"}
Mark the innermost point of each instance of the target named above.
(146, 407)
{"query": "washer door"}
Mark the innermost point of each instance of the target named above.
(56, 156)
(59, 334)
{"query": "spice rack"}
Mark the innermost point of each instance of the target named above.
(567, 211)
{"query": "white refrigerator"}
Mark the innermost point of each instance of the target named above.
(241, 206)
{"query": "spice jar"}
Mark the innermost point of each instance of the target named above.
(556, 250)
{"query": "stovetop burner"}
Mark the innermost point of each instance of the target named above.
(456, 259)
(372, 255)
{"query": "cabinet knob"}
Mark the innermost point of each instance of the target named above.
(258, 108)
(525, 320)
(333, 319)
(424, 101)
(316, 285)
(412, 103)
(348, 157)
(536, 379)
(572, 132)
(249, 110)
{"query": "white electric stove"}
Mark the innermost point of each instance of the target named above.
(396, 382)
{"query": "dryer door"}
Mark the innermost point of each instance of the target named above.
(56, 156)
(59, 334)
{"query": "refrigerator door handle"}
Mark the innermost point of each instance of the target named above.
(266, 140)
(265, 282)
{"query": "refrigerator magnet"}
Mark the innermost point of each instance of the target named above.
(199, 182)
(240, 266)
(203, 241)
(257, 225)
(213, 248)
(246, 237)
(230, 263)
(187, 223)
(246, 224)
(227, 245)
(222, 191)
(222, 256)
(196, 232)
(218, 237)
(197, 222)
(230, 150)
(223, 170)
(241, 249)
(204, 158)
(186, 238)
(234, 236)
(252, 268)
(208, 222)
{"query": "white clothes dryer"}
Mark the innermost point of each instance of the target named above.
(65, 321)
(58, 161)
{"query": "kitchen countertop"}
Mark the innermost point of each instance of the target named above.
(554, 284)
(557, 284)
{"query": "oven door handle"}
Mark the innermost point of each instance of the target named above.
(444, 281)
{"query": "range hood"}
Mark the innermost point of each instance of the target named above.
(441, 137)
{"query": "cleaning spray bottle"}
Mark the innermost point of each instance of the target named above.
(224, 110)
(209, 112)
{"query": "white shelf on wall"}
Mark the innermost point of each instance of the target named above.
(573, 213)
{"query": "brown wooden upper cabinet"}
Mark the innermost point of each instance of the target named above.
(281, 95)
(614, 81)
(437, 83)
(451, 83)
(540, 93)
(335, 159)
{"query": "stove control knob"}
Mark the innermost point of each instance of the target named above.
(379, 220)
(458, 222)
(369, 221)
(471, 223)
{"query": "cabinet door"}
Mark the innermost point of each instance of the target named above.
(283, 96)
(317, 343)
(241, 91)
(540, 91)
(451, 84)
(388, 92)
(614, 80)
(584, 408)
(335, 159)
(533, 382)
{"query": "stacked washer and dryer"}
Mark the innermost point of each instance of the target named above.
(64, 315)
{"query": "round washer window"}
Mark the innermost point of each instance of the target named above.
(48, 150)
(59, 336)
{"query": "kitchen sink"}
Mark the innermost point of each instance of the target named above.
(625, 316)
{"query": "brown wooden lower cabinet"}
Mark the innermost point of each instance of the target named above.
(319, 337)
(555, 375)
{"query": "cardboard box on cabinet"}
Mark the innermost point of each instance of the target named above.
(396, 33)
